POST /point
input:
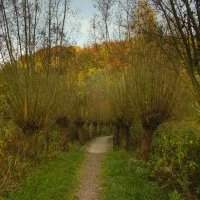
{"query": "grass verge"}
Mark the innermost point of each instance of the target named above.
(54, 180)
(127, 179)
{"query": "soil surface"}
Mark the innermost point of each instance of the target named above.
(90, 183)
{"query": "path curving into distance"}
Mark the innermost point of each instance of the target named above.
(90, 180)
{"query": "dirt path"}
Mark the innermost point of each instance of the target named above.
(90, 176)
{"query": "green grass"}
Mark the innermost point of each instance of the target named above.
(54, 180)
(126, 178)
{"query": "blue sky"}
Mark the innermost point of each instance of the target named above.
(85, 11)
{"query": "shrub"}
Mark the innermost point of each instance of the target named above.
(175, 157)
(175, 196)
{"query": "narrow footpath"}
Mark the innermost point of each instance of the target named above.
(90, 182)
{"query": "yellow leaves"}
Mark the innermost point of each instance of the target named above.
(145, 20)
(86, 74)
(81, 76)
(92, 71)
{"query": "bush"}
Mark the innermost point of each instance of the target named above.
(175, 196)
(175, 158)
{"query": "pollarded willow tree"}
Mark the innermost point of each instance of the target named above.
(66, 98)
(98, 106)
(153, 86)
(29, 29)
(154, 89)
(121, 116)
(25, 27)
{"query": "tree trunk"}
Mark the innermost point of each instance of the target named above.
(47, 138)
(95, 130)
(88, 129)
(116, 138)
(64, 139)
(80, 134)
(146, 144)
(127, 133)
